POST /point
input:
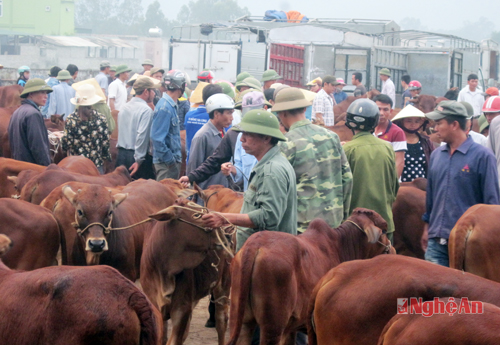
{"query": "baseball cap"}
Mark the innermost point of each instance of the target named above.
(448, 108)
(253, 100)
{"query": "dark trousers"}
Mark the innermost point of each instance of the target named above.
(126, 158)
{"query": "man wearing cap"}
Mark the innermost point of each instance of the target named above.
(134, 126)
(338, 94)
(86, 131)
(472, 95)
(491, 91)
(27, 132)
(51, 81)
(315, 85)
(271, 198)
(477, 137)
(197, 118)
(117, 91)
(147, 65)
(269, 77)
(323, 175)
(102, 77)
(322, 110)
(461, 174)
(60, 100)
(356, 80)
(220, 109)
(388, 87)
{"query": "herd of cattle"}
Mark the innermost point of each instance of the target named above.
(335, 284)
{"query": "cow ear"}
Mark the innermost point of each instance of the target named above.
(13, 179)
(372, 232)
(200, 192)
(165, 214)
(186, 193)
(69, 194)
(118, 198)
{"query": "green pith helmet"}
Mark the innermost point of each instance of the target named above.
(385, 71)
(260, 121)
(242, 76)
(290, 98)
(250, 82)
(226, 88)
(483, 123)
(35, 85)
(148, 62)
(270, 74)
(122, 69)
(64, 75)
(113, 68)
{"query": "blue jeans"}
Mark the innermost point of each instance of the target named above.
(437, 253)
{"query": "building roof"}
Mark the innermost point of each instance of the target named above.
(76, 41)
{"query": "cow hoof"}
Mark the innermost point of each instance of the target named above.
(210, 324)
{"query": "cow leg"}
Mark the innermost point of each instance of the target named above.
(165, 317)
(221, 317)
(181, 317)
(289, 339)
(246, 334)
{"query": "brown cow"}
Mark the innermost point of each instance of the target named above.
(96, 213)
(344, 133)
(34, 231)
(408, 209)
(78, 164)
(69, 305)
(221, 199)
(474, 243)
(354, 301)
(425, 103)
(274, 273)
(341, 108)
(10, 96)
(444, 329)
(40, 186)
(182, 263)
(12, 167)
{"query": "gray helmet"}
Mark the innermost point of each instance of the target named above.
(362, 115)
(175, 79)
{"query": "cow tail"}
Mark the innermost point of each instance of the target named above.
(150, 329)
(459, 245)
(248, 257)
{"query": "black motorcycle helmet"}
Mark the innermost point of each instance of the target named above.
(175, 79)
(362, 115)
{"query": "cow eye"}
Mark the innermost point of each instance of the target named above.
(110, 213)
(80, 213)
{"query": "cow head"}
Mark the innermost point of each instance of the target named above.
(375, 228)
(94, 206)
(5, 244)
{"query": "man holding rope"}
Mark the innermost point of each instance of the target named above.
(270, 201)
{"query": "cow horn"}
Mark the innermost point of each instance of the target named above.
(372, 232)
(69, 194)
(186, 193)
(13, 179)
(118, 198)
(202, 194)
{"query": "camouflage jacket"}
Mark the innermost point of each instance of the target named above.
(324, 179)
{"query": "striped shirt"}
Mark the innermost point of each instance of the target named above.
(323, 104)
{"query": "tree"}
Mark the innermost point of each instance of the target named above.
(411, 23)
(156, 18)
(203, 11)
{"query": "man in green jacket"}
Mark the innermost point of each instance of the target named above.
(270, 202)
(373, 163)
(324, 178)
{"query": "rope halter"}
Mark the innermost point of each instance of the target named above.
(387, 247)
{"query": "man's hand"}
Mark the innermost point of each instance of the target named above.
(184, 180)
(213, 220)
(227, 168)
(133, 168)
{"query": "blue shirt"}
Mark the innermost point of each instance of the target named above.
(339, 96)
(165, 132)
(457, 182)
(51, 82)
(102, 80)
(60, 103)
(243, 162)
(194, 120)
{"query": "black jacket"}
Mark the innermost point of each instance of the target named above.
(222, 154)
(28, 138)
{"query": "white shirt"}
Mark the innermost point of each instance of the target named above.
(476, 99)
(323, 103)
(479, 138)
(389, 89)
(118, 90)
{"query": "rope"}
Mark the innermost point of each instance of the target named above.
(54, 140)
(107, 229)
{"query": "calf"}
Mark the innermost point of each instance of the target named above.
(40, 186)
(69, 305)
(99, 215)
(473, 244)
(274, 273)
(182, 263)
(34, 231)
(444, 329)
(362, 295)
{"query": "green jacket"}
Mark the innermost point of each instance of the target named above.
(373, 166)
(324, 178)
(271, 198)
(103, 109)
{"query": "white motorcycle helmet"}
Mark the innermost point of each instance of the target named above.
(219, 101)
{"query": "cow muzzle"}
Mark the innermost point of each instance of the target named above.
(96, 245)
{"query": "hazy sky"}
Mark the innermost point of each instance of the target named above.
(434, 14)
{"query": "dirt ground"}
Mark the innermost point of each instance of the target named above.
(198, 334)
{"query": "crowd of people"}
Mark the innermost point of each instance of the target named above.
(271, 141)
